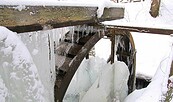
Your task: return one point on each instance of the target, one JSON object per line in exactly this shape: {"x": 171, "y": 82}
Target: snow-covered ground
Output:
{"x": 23, "y": 79}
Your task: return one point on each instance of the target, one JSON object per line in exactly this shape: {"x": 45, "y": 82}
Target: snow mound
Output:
{"x": 19, "y": 77}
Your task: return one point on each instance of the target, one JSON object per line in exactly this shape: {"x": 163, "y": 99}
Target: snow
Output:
{"x": 20, "y": 7}
{"x": 88, "y": 3}
{"x": 34, "y": 52}
{"x": 151, "y": 49}
{"x": 158, "y": 86}
{"x": 137, "y": 14}
{"x": 20, "y": 3}
{"x": 103, "y": 4}
{"x": 100, "y": 49}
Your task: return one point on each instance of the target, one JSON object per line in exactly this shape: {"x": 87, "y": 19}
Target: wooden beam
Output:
{"x": 142, "y": 29}
{"x": 112, "y": 48}
{"x": 33, "y": 18}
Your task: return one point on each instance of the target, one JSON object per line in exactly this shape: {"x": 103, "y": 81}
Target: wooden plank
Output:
{"x": 66, "y": 49}
{"x": 112, "y": 47}
{"x": 64, "y": 61}
{"x": 141, "y": 29}
{"x": 33, "y": 18}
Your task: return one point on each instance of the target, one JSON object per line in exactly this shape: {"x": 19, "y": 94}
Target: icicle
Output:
{"x": 87, "y": 30}
{"x": 78, "y": 37}
{"x": 72, "y": 33}
{"x": 83, "y": 31}
{"x": 91, "y": 29}
{"x": 100, "y": 32}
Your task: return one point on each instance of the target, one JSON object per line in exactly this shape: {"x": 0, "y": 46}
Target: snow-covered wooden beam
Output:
{"x": 163, "y": 31}
{"x": 33, "y": 18}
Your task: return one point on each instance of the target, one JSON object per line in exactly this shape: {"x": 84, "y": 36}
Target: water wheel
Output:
{"x": 72, "y": 51}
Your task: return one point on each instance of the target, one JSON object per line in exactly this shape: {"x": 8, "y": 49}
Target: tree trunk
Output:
{"x": 171, "y": 71}
{"x": 154, "y": 9}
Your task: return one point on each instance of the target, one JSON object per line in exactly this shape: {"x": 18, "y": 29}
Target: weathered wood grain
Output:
{"x": 33, "y": 18}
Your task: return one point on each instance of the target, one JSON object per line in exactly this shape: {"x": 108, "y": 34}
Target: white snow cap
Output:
{"x": 106, "y": 4}
{"x": 103, "y": 4}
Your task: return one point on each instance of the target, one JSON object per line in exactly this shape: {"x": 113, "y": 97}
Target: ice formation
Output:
{"x": 42, "y": 46}
{"x": 97, "y": 81}
{"x": 19, "y": 76}
{"x": 27, "y": 65}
